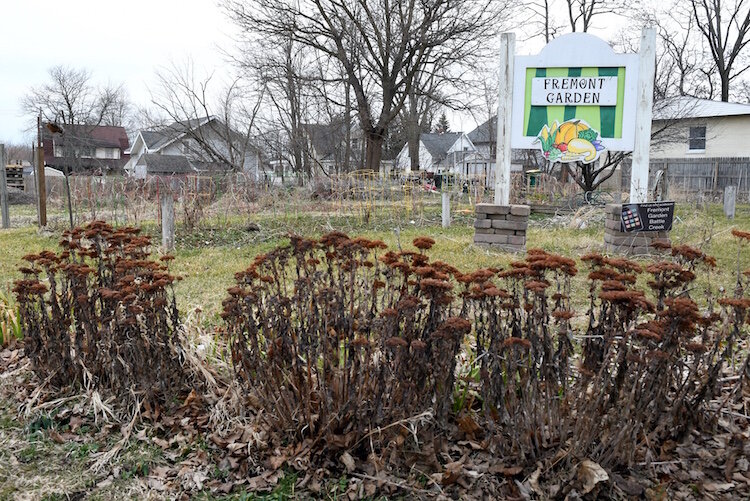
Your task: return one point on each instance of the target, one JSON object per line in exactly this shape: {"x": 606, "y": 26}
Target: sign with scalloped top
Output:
{"x": 581, "y": 89}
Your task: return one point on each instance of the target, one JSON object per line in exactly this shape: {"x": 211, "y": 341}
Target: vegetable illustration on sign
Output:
{"x": 571, "y": 141}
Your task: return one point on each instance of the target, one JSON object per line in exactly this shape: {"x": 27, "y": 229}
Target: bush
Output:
{"x": 522, "y": 336}
{"x": 102, "y": 315}
{"x": 338, "y": 338}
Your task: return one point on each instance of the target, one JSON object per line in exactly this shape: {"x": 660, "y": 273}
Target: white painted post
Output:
{"x": 4, "y": 188}
{"x": 504, "y": 109}
{"x": 730, "y": 199}
{"x": 644, "y": 107}
{"x": 167, "y": 220}
{"x": 446, "y": 209}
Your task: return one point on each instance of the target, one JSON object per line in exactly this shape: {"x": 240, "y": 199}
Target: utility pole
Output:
{"x": 41, "y": 184}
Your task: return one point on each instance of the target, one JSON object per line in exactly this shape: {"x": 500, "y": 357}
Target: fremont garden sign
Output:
{"x": 574, "y": 101}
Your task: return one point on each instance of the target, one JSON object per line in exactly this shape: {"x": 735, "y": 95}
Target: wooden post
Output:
{"x": 67, "y": 190}
{"x": 644, "y": 108}
{"x": 41, "y": 187}
{"x": 167, "y": 220}
{"x": 4, "y": 188}
{"x": 716, "y": 177}
{"x": 504, "y": 109}
{"x": 446, "y": 209}
{"x": 730, "y": 198}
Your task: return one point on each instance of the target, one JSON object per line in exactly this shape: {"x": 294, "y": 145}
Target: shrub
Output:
{"x": 101, "y": 314}
{"x": 648, "y": 368}
{"x": 522, "y": 339}
{"x": 338, "y": 338}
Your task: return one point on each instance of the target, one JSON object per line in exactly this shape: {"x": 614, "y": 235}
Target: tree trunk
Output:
{"x": 724, "y": 87}
{"x": 348, "y": 125}
{"x": 413, "y": 142}
{"x": 412, "y": 133}
{"x": 374, "y": 150}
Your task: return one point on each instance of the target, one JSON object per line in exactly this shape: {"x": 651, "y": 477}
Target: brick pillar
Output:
{"x": 636, "y": 243}
{"x": 502, "y": 226}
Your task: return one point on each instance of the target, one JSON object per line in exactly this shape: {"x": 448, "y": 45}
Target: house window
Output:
{"x": 85, "y": 152}
{"x": 697, "y": 138}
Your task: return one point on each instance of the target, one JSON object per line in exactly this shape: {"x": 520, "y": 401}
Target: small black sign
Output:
{"x": 650, "y": 216}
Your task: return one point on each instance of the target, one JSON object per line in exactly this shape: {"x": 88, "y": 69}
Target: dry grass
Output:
{"x": 208, "y": 268}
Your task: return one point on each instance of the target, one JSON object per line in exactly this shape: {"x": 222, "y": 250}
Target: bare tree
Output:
{"x": 70, "y": 98}
{"x": 18, "y": 152}
{"x": 218, "y": 124}
{"x": 419, "y": 112}
{"x": 724, "y": 25}
{"x": 550, "y": 18}
{"x": 381, "y": 45}
{"x": 581, "y": 13}
{"x": 281, "y": 70}
{"x": 116, "y": 108}
{"x": 681, "y": 58}
{"x": 542, "y": 19}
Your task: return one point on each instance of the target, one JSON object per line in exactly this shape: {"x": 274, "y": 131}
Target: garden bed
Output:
{"x": 224, "y": 434}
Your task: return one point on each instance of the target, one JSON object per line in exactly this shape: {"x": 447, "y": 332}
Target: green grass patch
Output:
{"x": 210, "y": 255}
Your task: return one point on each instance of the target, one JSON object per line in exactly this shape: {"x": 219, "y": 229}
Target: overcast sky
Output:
{"x": 121, "y": 42}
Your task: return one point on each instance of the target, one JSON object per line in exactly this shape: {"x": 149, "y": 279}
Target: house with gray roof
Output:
{"x": 700, "y": 146}
{"x": 175, "y": 165}
{"x": 701, "y": 128}
{"x": 438, "y": 152}
{"x": 324, "y": 146}
{"x": 204, "y": 146}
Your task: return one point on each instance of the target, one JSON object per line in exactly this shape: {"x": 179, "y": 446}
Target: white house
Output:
{"x": 701, "y": 146}
{"x": 445, "y": 152}
{"x": 482, "y": 165}
{"x": 700, "y": 128}
{"x": 192, "y": 146}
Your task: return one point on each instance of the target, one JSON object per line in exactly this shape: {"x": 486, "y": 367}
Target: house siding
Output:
{"x": 403, "y": 161}
{"x": 187, "y": 146}
{"x": 725, "y": 137}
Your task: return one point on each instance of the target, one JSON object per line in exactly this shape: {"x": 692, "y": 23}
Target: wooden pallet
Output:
{"x": 14, "y": 176}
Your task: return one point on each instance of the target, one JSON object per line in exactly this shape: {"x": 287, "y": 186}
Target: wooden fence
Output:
{"x": 707, "y": 177}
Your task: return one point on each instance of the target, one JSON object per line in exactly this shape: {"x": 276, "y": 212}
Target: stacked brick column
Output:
{"x": 502, "y": 226}
{"x": 638, "y": 243}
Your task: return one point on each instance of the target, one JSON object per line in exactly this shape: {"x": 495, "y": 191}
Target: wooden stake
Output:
{"x": 4, "y": 189}
{"x": 446, "y": 209}
{"x": 504, "y": 109}
{"x": 167, "y": 221}
{"x": 730, "y": 199}
{"x": 41, "y": 184}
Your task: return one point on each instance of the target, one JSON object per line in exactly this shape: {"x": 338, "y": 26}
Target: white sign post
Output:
{"x": 504, "y": 119}
{"x": 644, "y": 107}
